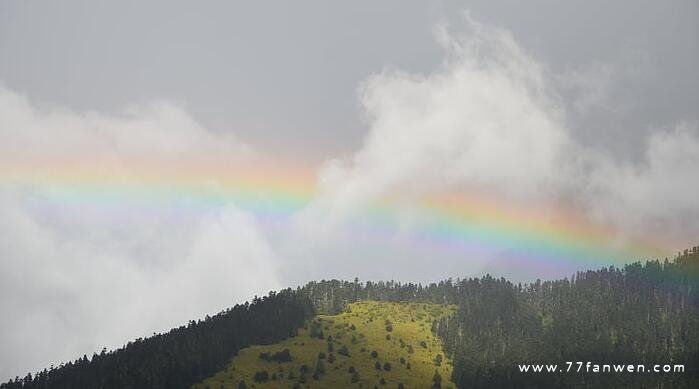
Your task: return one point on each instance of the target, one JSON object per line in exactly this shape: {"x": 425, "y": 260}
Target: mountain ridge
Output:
{"x": 639, "y": 313}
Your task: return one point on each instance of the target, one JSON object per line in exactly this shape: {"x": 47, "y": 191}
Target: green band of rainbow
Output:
{"x": 455, "y": 220}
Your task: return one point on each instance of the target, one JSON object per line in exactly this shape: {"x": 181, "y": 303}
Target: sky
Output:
{"x": 160, "y": 161}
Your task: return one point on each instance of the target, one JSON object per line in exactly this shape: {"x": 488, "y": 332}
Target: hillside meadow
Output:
{"x": 369, "y": 345}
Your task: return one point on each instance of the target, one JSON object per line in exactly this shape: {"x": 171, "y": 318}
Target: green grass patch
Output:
{"x": 371, "y": 344}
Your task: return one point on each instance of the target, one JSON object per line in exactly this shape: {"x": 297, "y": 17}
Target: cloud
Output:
{"x": 80, "y": 275}
{"x": 157, "y": 130}
{"x": 590, "y": 87}
{"x": 485, "y": 121}
{"x": 491, "y": 120}
{"x": 656, "y": 196}
{"x": 478, "y": 120}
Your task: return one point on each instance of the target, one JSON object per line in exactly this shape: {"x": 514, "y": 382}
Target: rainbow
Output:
{"x": 465, "y": 222}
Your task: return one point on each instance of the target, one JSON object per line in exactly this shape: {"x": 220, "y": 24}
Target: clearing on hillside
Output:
{"x": 370, "y": 345}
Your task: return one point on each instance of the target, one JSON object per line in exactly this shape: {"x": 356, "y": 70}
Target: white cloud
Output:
{"x": 484, "y": 119}
{"x": 81, "y": 275}
{"x": 157, "y": 130}
{"x": 490, "y": 120}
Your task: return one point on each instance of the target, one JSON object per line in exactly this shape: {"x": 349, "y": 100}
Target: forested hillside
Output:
{"x": 184, "y": 355}
{"x": 643, "y": 313}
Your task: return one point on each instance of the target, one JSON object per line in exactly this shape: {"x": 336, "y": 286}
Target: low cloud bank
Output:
{"x": 80, "y": 275}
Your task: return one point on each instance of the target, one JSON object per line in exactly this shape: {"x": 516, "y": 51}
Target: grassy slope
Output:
{"x": 362, "y": 329}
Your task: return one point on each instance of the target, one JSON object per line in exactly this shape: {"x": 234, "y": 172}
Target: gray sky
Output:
{"x": 587, "y": 104}
{"x": 283, "y": 76}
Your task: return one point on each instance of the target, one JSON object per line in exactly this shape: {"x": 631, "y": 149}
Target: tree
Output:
{"x": 261, "y": 376}
{"x": 343, "y": 350}
{"x": 436, "y": 380}
{"x": 319, "y": 370}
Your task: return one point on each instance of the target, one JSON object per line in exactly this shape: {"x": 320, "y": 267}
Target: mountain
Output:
{"x": 485, "y": 329}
